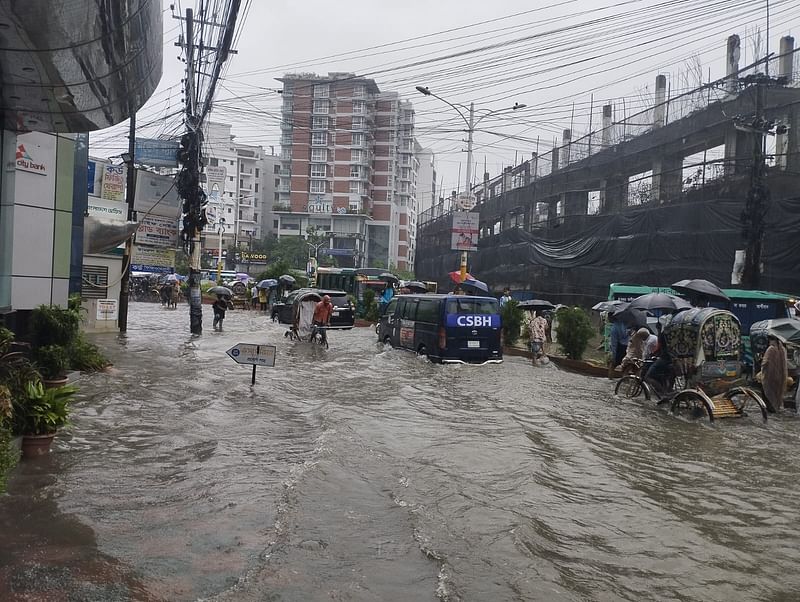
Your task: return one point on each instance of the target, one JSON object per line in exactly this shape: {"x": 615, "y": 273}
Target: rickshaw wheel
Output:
{"x": 692, "y": 405}
{"x": 631, "y": 387}
{"x": 744, "y": 397}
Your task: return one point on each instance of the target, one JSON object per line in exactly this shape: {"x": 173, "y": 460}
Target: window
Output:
{"x": 317, "y": 186}
{"x": 358, "y": 140}
{"x": 319, "y": 154}
{"x": 409, "y": 310}
{"x": 275, "y": 224}
{"x": 319, "y": 170}
{"x": 319, "y": 123}
{"x": 229, "y": 210}
{"x": 241, "y": 183}
{"x": 472, "y": 306}
{"x": 257, "y": 172}
{"x": 405, "y": 173}
{"x": 256, "y": 190}
{"x": 276, "y": 197}
{"x": 358, "y": 123}
{"x": 359, "y": 106}
{"x": 320, "y": 106}
{"x": 355, "y": 171}
{"x": 322, "y": 90}
{"x": 214, "y": 161}
{"x": 319, "y": 138}
{"x": 355, "y": 155}
{"x": 428, "y": 311}
{"x": 230, "y": 178}
{"x": 277, "y": 182}
{"x": 359, "y": 90}
{"x": 355, "y": 187}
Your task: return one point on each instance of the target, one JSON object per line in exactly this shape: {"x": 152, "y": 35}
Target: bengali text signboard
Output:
{"x": 157, "y": 231}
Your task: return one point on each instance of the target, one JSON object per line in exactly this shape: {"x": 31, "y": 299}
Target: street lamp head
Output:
{"x": 518, "y": 105}
{"x": 423, "y": 90}
{"x": 126, "y": 157}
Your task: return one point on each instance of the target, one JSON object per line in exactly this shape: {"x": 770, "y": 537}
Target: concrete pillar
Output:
{"x": 534, "y": 165}
{"x": 606, "y": 136}
{"x": 507, "y": 184}
{"x": 659, "y": 109}
{"x": 786, "y": 58}
{"x": 613, "y": 193}
{"x": 667, "y": 178}
{"x": 738, "y": 151}
{"x": 782, "y": 146}
{"x": 576, "y": 203}
{"x": 732, "y": 64}
{"x": 566, "y": 147}
{"x": 554, "y": 160}
{"x": 485, "y": 185}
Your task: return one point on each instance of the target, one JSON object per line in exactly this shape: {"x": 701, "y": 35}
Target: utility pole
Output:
{"x": 130, "y": 190}
{"x": 758, "y": 197}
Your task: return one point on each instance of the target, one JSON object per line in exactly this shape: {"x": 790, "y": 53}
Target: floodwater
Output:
{"x": 362, "y": 473}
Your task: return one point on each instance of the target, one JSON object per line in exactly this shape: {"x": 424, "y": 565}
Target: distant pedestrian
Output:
{"x": 538, "y": 337}
{"x": 505, "y": 298}
{"x": 262, "y": 299}
{"x": 774, "y": 373}
{"x": 254, "y": 297}
{"x": 220, "y": 307}
{"x": 619, "y": 340}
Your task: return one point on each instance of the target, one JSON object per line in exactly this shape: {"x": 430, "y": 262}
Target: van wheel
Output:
{"x": 387, "y": 340}
{"x": 422, "y": 350}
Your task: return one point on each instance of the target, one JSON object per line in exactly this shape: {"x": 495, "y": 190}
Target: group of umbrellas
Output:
{"x": 286, "y": 280}
{"x": 634, "y": 313}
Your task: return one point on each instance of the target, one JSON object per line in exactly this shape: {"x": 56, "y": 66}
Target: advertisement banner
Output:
{"x": 113, "y": 182}
{"x": 215, "y": 182}
{"x": 152, "y": 259}
{"x": 156, "y": 153}
{"x": 107, "y": 309}
{"x": 157, "y": 231}
{"x": 156, "y": 194}
{"x": 107, "y": 210}
{"x": 464, "y": 233}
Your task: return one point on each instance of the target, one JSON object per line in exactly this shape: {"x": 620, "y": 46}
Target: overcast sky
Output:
{"x": 559, "y": 57}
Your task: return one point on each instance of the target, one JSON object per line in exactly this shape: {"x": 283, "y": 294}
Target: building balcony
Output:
{"x": 281, "y": 208}
{"x": 284, "y": 188}
{"x": 285, "y": 172}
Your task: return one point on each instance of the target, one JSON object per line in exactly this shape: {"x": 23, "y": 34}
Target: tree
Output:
{"x": 573, "y": 331}
{"x": 511, "y": 316}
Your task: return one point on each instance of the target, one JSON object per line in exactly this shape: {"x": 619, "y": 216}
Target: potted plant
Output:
{"x": 52, "y": 361}
{"x": 40, "y": 414}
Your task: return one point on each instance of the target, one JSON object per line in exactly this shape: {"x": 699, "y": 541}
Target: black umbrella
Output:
{"x": 389, "y": 277}
{"x": 475, "y": 285}
{"x": 286, "y": 279}
{"x": 630, "y": 316}
{"x": 662, "y": 301}
{"x": 536, "y": 304}
{"x": 221, "y": 290}
{"x": 700, "y": 287}
{"x": 607, "y": 305}
{"x": 416, "y": 287}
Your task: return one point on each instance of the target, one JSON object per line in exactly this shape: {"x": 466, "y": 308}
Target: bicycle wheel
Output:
{"x": 630, "y": 387}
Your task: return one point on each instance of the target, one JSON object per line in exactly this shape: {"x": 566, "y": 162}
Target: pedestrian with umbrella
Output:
{"x": 221, "y": 305}
{"x": 700, "y": 291}
{"x": 619, "y": 338}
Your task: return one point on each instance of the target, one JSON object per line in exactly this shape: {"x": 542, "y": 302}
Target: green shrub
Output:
{"x": 371, "y": 312}
{"x": 9, "y": 456}
{"x": 54, "y": 325}
{"x": 573, "y": 331}
{"x": 42, "y": 410}
{"x": 86, "y": 356}
{"x": 52, "y": 361}
{"x": 511, "y": 317}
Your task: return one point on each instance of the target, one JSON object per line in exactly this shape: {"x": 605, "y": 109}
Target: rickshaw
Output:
{"x": 302, "y": 328}
{"x": 705, "y": 345}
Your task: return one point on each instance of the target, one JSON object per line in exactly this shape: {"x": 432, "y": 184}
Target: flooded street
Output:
{"x": 359, "y": 473}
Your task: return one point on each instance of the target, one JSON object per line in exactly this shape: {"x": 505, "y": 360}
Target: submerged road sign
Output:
{"x": 257, "y": 355}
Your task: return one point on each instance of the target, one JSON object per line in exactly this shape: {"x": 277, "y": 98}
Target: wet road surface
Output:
{"x": 363, "y": 473}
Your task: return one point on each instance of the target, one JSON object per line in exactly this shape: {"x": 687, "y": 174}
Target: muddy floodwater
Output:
{"x": 363, "y": 473}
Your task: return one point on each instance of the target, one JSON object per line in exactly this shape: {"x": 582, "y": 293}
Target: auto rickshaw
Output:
{"x": 705, "y": 345}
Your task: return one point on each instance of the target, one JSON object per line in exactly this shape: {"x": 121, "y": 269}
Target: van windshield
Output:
{"x": 467, "y": 305}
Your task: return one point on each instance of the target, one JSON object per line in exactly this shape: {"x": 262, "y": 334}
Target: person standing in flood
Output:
{"x": 774, "y": 373}
{"x": 538, "y": 338}
{"x": 619, "y": 340}
{"x": 220, "y": 307}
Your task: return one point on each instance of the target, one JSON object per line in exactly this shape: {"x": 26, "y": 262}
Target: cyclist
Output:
{"x": 322, "y": 315}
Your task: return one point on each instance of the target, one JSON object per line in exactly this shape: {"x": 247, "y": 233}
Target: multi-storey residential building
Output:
{"x": 426, "y": 178}
{"x": 240, "y": 202}
{"x": 342, "y": 150}
{"x": 270, "y": 181}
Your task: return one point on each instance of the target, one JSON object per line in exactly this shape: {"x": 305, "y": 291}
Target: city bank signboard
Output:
{"x": 464, "y": 234}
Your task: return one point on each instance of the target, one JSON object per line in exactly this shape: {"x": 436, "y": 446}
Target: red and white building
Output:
{"x": 348, "y": 169}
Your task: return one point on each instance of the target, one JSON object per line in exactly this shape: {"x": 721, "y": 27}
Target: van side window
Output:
{"x": 391, "y": 307}
{"x": 409, "y": 309}
{"x": 428, "y": 311}
{"x": 472, "y": 306}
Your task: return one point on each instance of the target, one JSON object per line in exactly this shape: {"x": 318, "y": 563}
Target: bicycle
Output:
{"x": 319, "y": 335}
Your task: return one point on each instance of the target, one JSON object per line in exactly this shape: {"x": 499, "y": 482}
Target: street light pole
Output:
{"x": 130, "y": 191}
{"x": 221, "y": 231}
{"x": 471, "y": 125}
